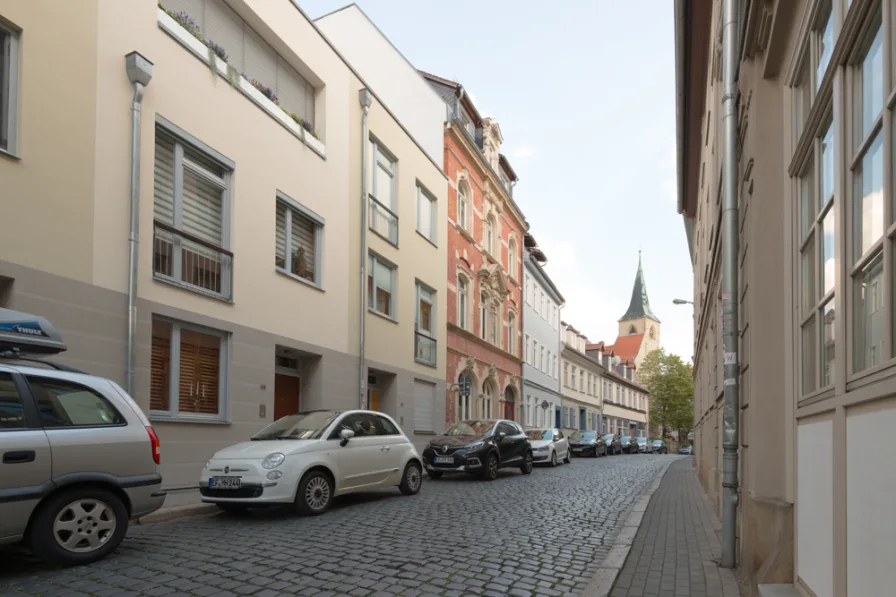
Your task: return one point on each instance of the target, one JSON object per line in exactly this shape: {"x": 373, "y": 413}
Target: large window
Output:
{"x": 9, "y": 68}
{"x": 463, "y": 298}
{"x": 380, "y": 286}
{"x": 190, "y": 216}
{"x": 298, "y": 240}
{"x": 187, "y": 371}
{"x": 511, "y": 259}
{"x": 463, "y": 204}
{"x": 383, "y": 189}
{"x": 464, "y": 411}
{"x": 425, "y": 334}
{"x": 528, "y": 350}
{"x": 491, "y": 234}
{"x": 426, "y": 214}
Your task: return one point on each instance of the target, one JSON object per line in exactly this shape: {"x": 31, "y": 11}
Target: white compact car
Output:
{"x": 308, "y": 458}
{"x": 548, "y": 445}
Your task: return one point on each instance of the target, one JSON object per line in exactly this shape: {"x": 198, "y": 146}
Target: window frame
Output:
{"x": 31, "y": 379}
{"x": 374, "y": 259}
{"x": 173, "y": 413}
{"x": 490, "y": 234}
{"x": 463, "y": 300}
{"x": 464, "y": 192}
{"x": 30, "y": 415}
{"x": 420, "y": 288}
{"x": 425, "y": 195}
{"x": 377, "y": 151}
{"x": 511, "y": 332}
{"x": 9, "y": 79}
{"x": 293, "y": 206}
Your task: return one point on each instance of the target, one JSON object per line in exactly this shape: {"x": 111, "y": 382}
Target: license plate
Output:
{"x": 224, "y": 483}
{"x": 444, "y": 459}
{"x": 577, "y": 449}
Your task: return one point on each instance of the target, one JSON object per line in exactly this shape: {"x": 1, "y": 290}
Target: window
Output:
{"x": 464, "y": 412}
{"x": 511, "y": 333}
{"x": 462, "y": 301}
{"x": 493, "y": 326}
{"x": 12, "y": 412}
{"x": 425, "y": 336}
{"x": 426, "y": 214}
{"x": 511, "y": 258}
{"x": 541, "y": 361}
{"x": 424, "y": 406}
{"x": 9, "y": 73}
{"x": 383, "y": 220}
{"x": 581, "y": 380}
{"x": 190, "y": 216}
{"x": 487, "y": 400}
{"x": 823, "y": 42}
{"x": 565, "y": 374}
{"x": 590, "y": 391}
{"x": 483, "y": 316}
{"x": 555, "y": 374}
{"x": 62, "y": 403}
{"x": 462, "y": 204}
{"x": 544, "y": 309}
{"x": 380, "y": 283}
{"x": 187, "y": 371}
{"x": 528, "y": 350}
{"x": 298, "y": 240}
{"x": 490, "y": 233}
{"x": 573, "y": 384}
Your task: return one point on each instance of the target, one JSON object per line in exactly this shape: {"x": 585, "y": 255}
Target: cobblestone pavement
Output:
{"x": 677, "y": 548}
{"x": 537, "y": 535}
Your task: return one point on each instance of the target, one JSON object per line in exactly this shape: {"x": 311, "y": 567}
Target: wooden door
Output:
{"x": 508, "y": 410}
{"x": 374, "y": 399}
{"x": 286, "y": 395}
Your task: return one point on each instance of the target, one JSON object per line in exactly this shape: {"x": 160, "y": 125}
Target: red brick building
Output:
{"x": 485, "y": 244}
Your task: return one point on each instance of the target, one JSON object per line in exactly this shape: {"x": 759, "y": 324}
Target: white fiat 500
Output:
{"x": 308, "y": 458}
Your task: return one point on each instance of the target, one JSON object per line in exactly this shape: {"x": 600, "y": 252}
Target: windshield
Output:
{"x": 583, "y": 436}
{"x": 625, "y": 439}
{"x": 608, "y": 437}
{"x": 309, "y": 425}
{"x": 657, "y": 441}
{"x": 474, "y": 428}
{"x": 537, "y": 434}
{"x": 642, "y": 440}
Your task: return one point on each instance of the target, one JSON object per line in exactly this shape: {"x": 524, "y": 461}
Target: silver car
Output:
{"x": 549, "y": 445}
{"x": 78, "y": 458}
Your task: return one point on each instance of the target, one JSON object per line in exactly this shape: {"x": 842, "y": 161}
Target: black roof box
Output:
{"x": 28, "y": 334}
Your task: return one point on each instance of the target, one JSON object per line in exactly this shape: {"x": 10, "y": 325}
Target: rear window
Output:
{"x": 63, "y": 403}
{"x": 12, "y": 413}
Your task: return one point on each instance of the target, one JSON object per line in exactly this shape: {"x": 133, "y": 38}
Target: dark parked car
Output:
{"x": 658, "y": 446}
{"x": 587, "y": 443}
{"x": 629, "y": 444}
{"x": 614, "y": 446}
{"x": 480, "y": 447}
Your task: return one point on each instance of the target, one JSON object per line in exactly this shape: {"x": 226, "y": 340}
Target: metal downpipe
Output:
{"x": 133, "y": 235}
{"x": 365, "y": 99}
{"x": 730, "y": 287}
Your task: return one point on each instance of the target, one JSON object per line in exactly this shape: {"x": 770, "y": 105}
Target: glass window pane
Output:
{"x": 827, "y": 167}
{"x": 807, "y": 276}
{"x": 827, "y": 356}
{"x": 807, "y": 203}
{"x": 12, "y": 412}
{"x": 868, "y": 199}
{"x": 825, "y": 39}
{"x": 829, "y": 260}
{"x": 64, "y": 404}
{"x": 868, "y": 333}
{"x": 383, "y": 186}
{"x": 870, "y": 94}
{"x": 802, "y": 98}
{"x": 810, "y": 367}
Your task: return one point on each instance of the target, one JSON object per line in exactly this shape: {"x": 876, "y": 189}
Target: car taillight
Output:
{"x": 156, "y": 446}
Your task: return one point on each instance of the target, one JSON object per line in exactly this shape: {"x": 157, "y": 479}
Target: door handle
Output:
{"x": 385, "y": 449}
{"x": 19, "y": 457}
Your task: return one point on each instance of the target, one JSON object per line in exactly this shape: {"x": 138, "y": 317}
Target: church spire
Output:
{"x": 639, "y": 308}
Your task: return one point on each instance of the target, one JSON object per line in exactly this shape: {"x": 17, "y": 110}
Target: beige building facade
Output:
{"x": 248, "y": 285}
{"x": 815, "y": 191}
{"x": 580, "y": 382}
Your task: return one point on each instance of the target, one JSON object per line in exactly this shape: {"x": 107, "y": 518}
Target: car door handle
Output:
{"x": 19, "y": 457}
{"x": 385, "y": 449}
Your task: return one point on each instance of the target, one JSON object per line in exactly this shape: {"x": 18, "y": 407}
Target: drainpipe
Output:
{"x": 523, "y": 404}
{"x": 366, "y": 100}
{"x": 730, "y": 245}
{"x": 139, "y": 71}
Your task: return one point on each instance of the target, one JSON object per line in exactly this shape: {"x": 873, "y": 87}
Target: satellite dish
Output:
{"x": 544, "y": 404}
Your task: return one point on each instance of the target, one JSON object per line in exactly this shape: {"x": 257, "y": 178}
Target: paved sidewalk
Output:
{"x": 677, "y": 547}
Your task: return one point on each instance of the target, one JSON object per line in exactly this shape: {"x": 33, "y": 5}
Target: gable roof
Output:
{"x": 628, "y": 347}
{"x": 639, "y": 307}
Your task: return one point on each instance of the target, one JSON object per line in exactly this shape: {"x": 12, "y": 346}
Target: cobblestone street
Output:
{"x": 538, "y": 535}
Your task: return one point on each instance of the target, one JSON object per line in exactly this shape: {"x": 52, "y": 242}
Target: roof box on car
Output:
{"x": 28, "y": 334}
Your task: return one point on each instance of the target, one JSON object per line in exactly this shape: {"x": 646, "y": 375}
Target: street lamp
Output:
{"x": 682, "y": 302}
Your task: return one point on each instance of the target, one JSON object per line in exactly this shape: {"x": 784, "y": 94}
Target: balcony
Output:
{"x": 186, "y": 260}
{"x": 383, "y": 221}
{"x": 424, "y": 349}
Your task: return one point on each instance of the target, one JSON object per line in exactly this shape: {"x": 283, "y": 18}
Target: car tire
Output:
{"x": 490, "y": 472}
{"x": 315, "y": 494}
{"x": 526, "y": 469}
{"x": 233, "y": 509}
{"x": 553, "y": 459}
{"x": 85, "y": 510}
{"x": 568, "y": 458}
{"x": 434, "y": 475}
{"x": 412, "y": 479}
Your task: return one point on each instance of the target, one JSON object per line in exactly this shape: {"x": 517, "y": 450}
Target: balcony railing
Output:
{"x": 424, "y": 349}
{"x": 383, "y": 221}
{"x": 190, "y": 261}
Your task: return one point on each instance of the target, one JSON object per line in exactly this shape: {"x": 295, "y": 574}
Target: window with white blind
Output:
{"x": 188, "y": 371}
{"x": 9, "y": 61}
{"x": 190, "y": 209}
{"x": 249, "y": 54}
{"x": 380, "y": 286}
{"x": 424, "y": 406}
{"x": 298, "y": 241}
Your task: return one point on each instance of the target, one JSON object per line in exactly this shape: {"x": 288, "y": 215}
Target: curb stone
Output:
{"x": 602, "y": 582}
{"x": 175, "y": 512}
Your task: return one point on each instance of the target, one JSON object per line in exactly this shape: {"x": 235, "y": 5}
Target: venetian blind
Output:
{"x": 280, "y": 246}
{"x": 159, "y": 373}
{"x": 163, "y": 192}
{"x": 202, "y": 209}
{"x": 200, "y": 360}
{"x": 424, "y": 406}
{"x": 303, "y": 245}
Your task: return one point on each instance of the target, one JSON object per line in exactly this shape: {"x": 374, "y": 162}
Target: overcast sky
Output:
{"x": 584, "y": 92}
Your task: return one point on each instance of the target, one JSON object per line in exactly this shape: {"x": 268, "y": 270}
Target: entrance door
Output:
{"x": 557, "y": 423}
{"x": 286, "y": 395}
{"x": 508, "y": 410}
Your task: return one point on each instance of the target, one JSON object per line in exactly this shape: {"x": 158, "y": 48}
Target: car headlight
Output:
{"x": 273, "y": 460}
{"x": 542, "y": 449}
{"x": 474, "y": 446}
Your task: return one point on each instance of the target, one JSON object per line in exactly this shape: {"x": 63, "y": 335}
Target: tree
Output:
{"x": 671, "y": 388}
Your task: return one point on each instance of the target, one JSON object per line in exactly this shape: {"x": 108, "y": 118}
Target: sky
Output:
{"x": 584, "y": 94}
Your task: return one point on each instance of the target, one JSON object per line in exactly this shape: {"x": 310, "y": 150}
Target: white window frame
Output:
{"x": 511, "y": 258}
{"x": 9, "y": 80}
{"x": 463, "y": 203}
{"x": 490, "y": 234}
{"x": 371, "y": 271}
{"x": 424, "y": 195}
{"x": 528, "y": 350}
{"x": 173, "y": 413}
{"x": 292, "y": 206}
{"x": 483, "y": 316}
{"x": 380, "y": 155}
{"x": 463, "y": 306}
{"x": 422, "y": 288}
{"x": 511, "y": 332}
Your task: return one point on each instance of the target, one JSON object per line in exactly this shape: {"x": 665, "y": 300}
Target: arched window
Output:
{"x": 463, "y": 288}
{"x": 511, "y": 258}
{"x": 463, "y": 402}
{"x": 490, "y": 226}
{"x": 488, "y": 393}
{"x": 483, "y": 315}
{"x": 463, "y": 205}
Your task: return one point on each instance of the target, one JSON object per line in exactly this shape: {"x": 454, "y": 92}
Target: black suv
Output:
{"x": 480, "y": 447}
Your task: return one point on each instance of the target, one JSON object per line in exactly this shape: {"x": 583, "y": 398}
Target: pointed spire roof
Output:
{"x": 639, "y": 308}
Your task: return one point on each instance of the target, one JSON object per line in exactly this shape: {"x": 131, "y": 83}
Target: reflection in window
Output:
{"x": 869, "y": 316}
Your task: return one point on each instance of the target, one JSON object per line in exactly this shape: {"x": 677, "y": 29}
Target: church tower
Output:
{"x": 639, "y": 328}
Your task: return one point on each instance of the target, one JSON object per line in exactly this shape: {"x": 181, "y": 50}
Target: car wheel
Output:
{"x": 412, "y": 479}
{"x": 527, "y": 464}
{"x": 315, "y": 494}
{"x": 490, "y": 473}
{"x": 79, "y": 526}
{"x": 553, "y": 459}
{"x": 568, "y": 458}
{"x": 434, "y": 475}
{"x": 234, "y": 509}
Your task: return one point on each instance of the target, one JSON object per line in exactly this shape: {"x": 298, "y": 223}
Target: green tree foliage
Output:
{"x": 671, "y": 388}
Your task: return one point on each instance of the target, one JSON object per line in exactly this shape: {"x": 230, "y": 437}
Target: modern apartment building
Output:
{"x": 543, "y": 398}
{"x": 815, "y": 191}
{"x": 248, "y": 200}
{"x": 485, "y": 272}
{"x": 581, "y": 383}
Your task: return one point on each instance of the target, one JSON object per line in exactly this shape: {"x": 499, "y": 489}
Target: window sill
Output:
{"x": 385, "y": 238}
{"x": 304, "y": 281}
{"x": 426, "y": 363}
{"x": 10, "y": 154}
{"x": 816, "y": 396}
{"x": 463, "y": 232}
{"x": 870, "y": 375}
{"x": 162, "y": 418}
{"x": 200, "y": 50}
{"x": 382, "y": 315}
{"x": 193, "y": 289}
{"x": 427, "y": 239}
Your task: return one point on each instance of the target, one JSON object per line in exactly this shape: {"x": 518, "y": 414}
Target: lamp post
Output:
{"x": 682, "y": 302}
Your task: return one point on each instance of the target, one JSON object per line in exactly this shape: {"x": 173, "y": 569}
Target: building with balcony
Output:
{"x": 485, "y": 271}
{"x": 542, "y": 395}
{"x": 580, "y": 383}
{"x": 816, "y": 124}
{"x": 249, "y": 200}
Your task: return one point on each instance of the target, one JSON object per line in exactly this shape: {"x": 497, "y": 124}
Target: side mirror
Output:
{"x": 500, "y": 436}
{"x": 346, "y": 434}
